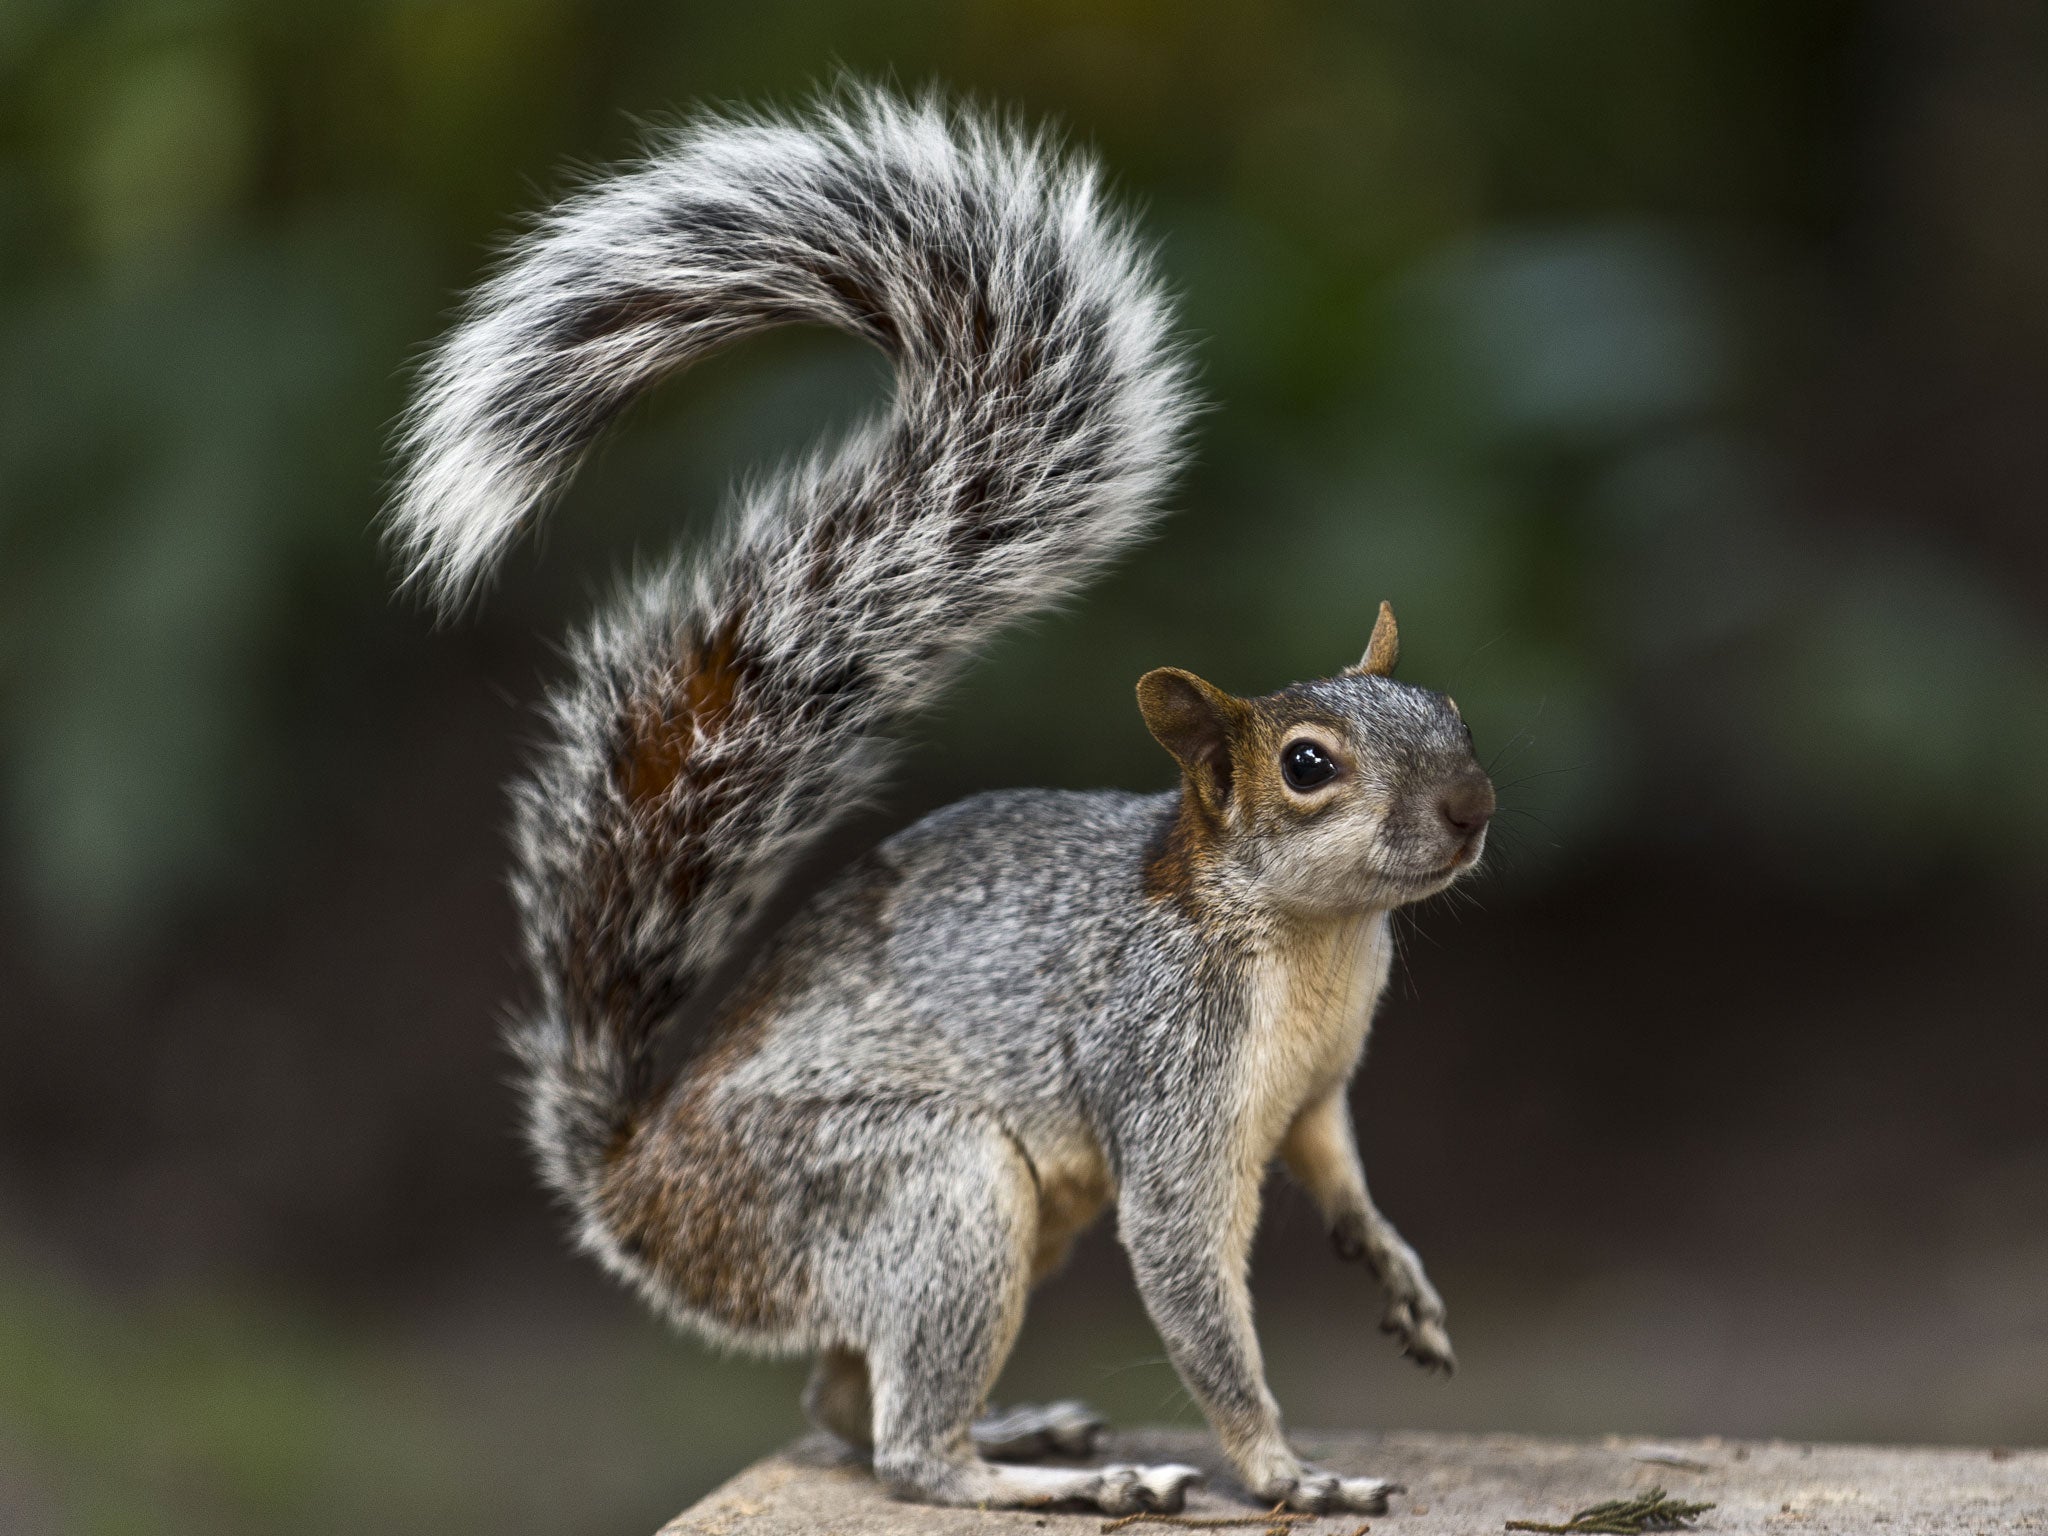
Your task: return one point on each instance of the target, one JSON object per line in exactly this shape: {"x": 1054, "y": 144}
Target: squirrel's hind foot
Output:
{"x": 1050, "y": 1429}
{"x": 1116, "y": 1490}
{"x": 1325, "y": 1493}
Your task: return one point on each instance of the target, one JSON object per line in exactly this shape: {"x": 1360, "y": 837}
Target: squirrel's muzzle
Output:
{"x": 1467, "y": 805}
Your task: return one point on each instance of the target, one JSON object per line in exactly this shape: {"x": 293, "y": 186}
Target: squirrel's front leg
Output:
{"x": 1321, "y": 1151}
{"x": 1187, "y": 1225}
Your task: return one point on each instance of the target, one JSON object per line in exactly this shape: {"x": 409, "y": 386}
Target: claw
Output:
{"x": 1418, "y": 1323}
{"x": 1430, "y": 1347}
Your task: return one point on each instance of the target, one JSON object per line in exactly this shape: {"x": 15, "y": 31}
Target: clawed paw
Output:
{"x": 1415, "y": 1313}
{"x": 1422, "y": 1336}
{"x": 1145, "y": 1490}
{"x": 1324, "y": 1493}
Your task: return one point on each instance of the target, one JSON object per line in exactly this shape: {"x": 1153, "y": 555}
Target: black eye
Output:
{"x": 1305, "y": 765}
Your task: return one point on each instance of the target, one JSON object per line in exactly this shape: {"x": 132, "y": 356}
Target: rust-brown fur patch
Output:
{"x": 665, "y": 740}
{"x": 662, "y": 732}
{"x": 700, "y": 1193}
{"x": 1178, "y": 854}
{"x": 692, "y": 1202}
{"x": 1267, "y": 725}
{"x": 689, "y": 1197}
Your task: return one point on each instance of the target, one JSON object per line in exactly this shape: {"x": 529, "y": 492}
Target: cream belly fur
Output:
{"x": 1313, "y": 992}
{"x": 1074, "y": 1187}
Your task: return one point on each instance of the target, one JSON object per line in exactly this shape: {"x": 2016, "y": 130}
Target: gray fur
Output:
{"x": 1024, "y": 1007}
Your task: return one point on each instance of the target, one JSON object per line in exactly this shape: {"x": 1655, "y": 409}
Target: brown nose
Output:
{"x": 1468, "y": 804}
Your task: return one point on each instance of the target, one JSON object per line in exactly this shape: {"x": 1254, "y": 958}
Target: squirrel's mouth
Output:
{"x": 1422, "y": 884}
{"x": 1428, "y": 882}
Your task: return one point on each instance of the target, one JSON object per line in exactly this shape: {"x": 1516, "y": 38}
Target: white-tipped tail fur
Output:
{"x": 874, "y": 215}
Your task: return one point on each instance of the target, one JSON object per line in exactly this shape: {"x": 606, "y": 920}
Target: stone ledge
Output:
{"x": 1460, "y": 1485}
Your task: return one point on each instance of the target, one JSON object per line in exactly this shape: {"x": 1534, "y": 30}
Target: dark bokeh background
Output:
{"x": 1681, "y": 372}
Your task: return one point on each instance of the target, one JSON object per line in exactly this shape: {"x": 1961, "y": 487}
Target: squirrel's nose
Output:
{"x": 1467, "y": 805}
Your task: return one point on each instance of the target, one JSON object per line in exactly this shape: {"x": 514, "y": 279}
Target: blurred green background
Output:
{"x": 1679, "y": 370}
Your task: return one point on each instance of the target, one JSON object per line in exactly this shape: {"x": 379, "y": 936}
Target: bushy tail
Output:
{"x": 718, "y": 719}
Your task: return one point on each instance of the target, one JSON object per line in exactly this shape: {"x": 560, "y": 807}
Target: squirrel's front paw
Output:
{"x": 1415, "y": 1313}
{"x": 1323, "y": 1493}
{"x": 1422, "y": 1336}
{"x": 1415, "y": 1316}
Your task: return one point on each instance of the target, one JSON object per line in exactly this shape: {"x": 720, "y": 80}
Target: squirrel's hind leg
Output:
{"x": 936, "y": 1290}
{"x": 837, "y": 1400}
{"x": 925, "y": 1451}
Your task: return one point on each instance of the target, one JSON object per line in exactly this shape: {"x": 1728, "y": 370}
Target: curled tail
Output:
{"x": 718, "y": 718}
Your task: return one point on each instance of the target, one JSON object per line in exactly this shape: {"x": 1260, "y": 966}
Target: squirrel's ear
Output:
{"x": 1192, "y": 720}
{"x": 1383, "y": 649}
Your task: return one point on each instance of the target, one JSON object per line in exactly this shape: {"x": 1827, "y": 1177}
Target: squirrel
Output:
{"x": 1027, "y": 1007}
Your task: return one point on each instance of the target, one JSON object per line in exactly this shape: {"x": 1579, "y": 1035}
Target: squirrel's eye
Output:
{"x": 1305, "y": 765}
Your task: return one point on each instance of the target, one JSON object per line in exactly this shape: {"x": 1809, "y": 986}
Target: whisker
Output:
{"x": 1543, "y": 773}
{"x": 1458, "y": 673}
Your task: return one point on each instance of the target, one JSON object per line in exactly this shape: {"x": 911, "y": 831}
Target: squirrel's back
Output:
{"x": 960, "y": 953}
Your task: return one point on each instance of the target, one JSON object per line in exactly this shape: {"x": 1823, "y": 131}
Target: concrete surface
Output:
{"x": 1462, "y": 1484}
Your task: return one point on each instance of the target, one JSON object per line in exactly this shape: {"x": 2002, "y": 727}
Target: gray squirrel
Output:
{"x": 1025, "y": 1008}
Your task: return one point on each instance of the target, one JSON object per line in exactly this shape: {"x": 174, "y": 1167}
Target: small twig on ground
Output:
{"x": 1275, "y": 1519}
{"x": 1665, "y": 1456}
{"x": 1624, "y": 1517}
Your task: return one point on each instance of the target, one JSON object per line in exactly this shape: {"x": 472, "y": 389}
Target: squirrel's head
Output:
{"x": 1330, "y": 797}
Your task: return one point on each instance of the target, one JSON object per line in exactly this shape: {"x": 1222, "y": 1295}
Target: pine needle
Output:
{"x": 1624, "y": 1517}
